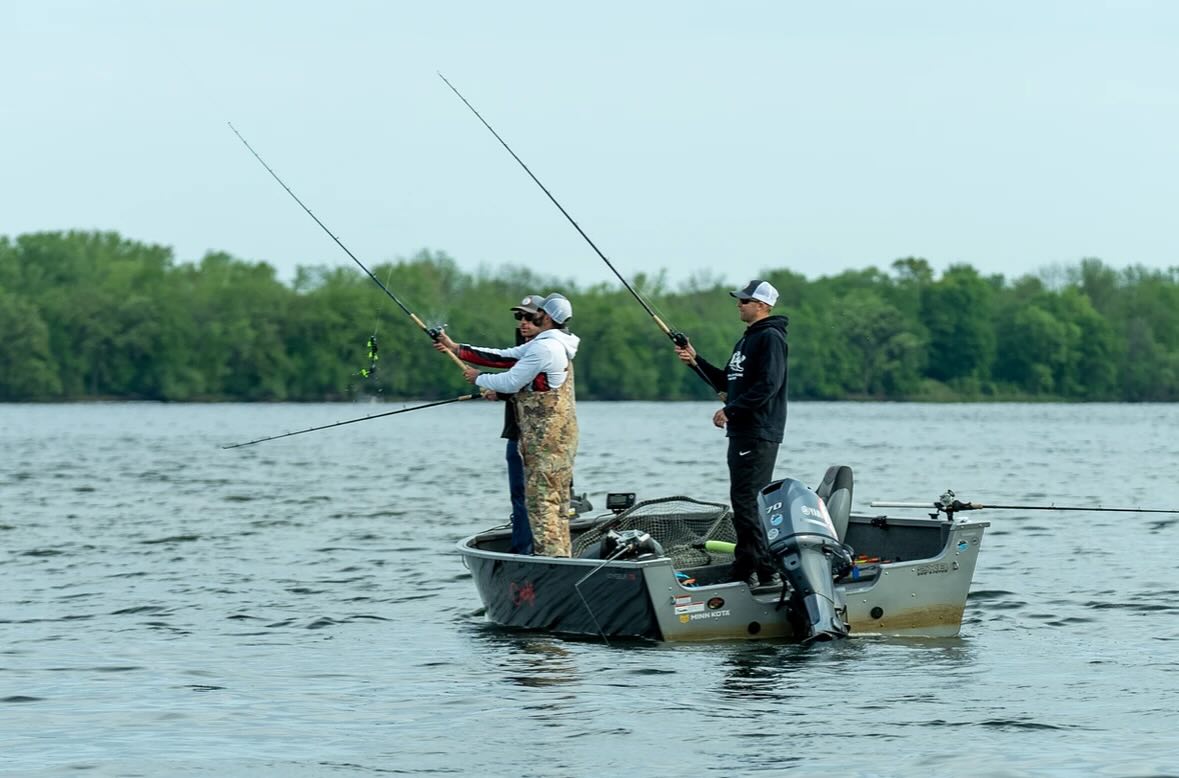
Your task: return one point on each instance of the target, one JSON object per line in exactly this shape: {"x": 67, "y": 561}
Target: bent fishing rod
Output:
{"x": 353, "y": 421}
{"x": 678, "y": 338}
{"x": 432, "y": 332}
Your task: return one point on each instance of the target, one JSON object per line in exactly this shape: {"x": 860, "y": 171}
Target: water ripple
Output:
{"x": 298, "y": 609}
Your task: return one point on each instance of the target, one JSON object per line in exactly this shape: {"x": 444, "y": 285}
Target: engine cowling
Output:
{"x": 807, "y": 551}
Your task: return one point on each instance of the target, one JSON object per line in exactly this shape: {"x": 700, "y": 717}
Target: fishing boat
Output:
{"x": 659, "y": 570}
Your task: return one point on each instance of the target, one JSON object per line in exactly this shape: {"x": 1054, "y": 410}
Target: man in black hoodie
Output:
{"x": 754, "y": 383}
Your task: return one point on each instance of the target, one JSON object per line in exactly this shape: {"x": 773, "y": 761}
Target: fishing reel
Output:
{"x": 949, "y": 504}
{"x": 630, "y": 544}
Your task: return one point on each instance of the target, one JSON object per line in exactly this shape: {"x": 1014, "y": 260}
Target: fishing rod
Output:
{"x": 957, "y": 505}
{"x": 950, "y": 505}
{"x": 353, "y": 421}
{"x": 433, "y": 332}
{"x": 628, "y": 541}
{"x": 678, "y": 338}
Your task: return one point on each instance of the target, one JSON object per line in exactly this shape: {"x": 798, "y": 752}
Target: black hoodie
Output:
{"x": 755, "y": 380}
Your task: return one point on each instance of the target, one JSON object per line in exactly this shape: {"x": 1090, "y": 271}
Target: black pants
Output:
{"x": 751, "y": 467}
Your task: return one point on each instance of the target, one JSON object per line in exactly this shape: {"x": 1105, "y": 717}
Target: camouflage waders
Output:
{"x": 548, "y": 443}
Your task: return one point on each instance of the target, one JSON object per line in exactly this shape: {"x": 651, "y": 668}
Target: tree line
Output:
{"x": 94, "y": 315}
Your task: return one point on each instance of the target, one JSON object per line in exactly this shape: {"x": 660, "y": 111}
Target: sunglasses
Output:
{"x": 528, "y": 317}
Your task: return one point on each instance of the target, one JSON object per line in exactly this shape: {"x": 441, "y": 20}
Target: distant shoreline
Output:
{"x": 402, "y": 400}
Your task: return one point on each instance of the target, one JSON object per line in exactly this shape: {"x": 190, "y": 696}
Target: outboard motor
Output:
{"x": 804, "y": 545}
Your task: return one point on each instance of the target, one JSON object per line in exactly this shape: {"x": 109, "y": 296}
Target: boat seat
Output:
{"x": 836, "y": 492}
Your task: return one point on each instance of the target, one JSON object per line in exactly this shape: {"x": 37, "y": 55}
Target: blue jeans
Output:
{"x": 521, "y": 529}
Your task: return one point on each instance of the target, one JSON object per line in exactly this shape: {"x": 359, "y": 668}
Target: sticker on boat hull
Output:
{"x": 522, "y": 594}
{"x": 934, "y": 569}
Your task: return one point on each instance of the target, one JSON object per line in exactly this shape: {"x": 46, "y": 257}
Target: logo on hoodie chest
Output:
{"x": 736, "y": 365}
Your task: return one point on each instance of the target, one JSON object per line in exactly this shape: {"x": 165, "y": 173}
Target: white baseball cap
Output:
{"x": 557, "y": 307}
{"x": 762, "y": 291}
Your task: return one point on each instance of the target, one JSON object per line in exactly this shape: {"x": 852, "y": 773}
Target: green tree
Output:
{"x": 27, "y": 368}
{"x": 1036, "y": 350}
{"x": 886, "y": 352}
{"x": 957, "y": 313}
{"x": 93, "y": 314}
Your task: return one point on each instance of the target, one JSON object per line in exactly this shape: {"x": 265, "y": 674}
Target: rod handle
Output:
{"x": 678, "y": 338}
{"x": 434, "y": 333}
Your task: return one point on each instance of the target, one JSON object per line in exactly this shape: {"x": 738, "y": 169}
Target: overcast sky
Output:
{"x": 695, "y": 137}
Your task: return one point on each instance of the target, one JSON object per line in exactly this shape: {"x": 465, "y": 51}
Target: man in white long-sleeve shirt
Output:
{"x": 542, "y": 381}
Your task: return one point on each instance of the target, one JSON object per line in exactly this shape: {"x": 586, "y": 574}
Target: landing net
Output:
{"x": 680, "y": 524}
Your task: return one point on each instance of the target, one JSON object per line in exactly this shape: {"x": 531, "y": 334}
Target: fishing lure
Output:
{"x": 373, "y": 357}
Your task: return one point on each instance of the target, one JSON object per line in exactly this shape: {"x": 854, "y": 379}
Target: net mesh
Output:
{"x": 680, "y": 524}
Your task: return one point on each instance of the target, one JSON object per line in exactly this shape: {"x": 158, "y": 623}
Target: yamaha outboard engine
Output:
{"x": 804, "y": 545}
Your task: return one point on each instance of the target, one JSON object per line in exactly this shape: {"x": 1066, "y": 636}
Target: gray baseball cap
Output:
{"x": 530, "y": 304}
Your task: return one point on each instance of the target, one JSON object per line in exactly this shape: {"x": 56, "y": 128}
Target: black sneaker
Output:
{"x": 755, "y": 581}
{"x": 775, "y": 580}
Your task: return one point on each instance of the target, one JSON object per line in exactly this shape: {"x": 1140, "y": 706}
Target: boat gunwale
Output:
{"x": 466, "y": 549}
{"x": 467, "y": 545}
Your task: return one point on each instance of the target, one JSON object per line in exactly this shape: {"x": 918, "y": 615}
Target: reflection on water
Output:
{"x": 297, "y": 607}
{"x": 532, "y": 660}
{"x": 759, "y": 671}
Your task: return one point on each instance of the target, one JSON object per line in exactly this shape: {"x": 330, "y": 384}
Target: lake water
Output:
{"x": 297, "y": 607}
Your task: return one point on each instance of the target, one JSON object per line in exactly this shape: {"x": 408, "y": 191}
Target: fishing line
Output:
{"x": 678, "y": 338}
{"x": 577, "y": 587}
{"x": 432, "y": 332}
{"x": 374, "y": 352}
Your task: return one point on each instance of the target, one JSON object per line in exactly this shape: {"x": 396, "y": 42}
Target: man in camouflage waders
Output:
{"x": 542, "y": 381}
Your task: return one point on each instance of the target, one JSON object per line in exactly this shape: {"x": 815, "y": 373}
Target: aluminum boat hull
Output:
{"x": 919, "y": 595}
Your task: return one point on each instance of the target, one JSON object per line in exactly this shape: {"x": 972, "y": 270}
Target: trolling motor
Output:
{"x": 804, "y": 545}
